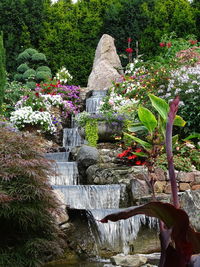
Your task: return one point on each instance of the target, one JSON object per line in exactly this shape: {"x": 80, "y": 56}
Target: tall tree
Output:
{"x": 2, "y": 71}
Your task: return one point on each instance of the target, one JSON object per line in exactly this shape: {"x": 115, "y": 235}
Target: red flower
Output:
{"x": 129, "y": 50}
{"x": 162, "y": 44}
{"x": 168, "y": 44}
{"x": 138, "y": 150}
{"x": 129, "y": 40}
{"x": 138, "y": 162}
{"x": 37, "y": 95}
{"x": 132, "y": 157}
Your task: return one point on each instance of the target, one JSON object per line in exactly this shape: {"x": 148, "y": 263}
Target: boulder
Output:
{"x": 139, "y": 188}
{"x": 129, "y": 260}
{"x": 86, "y": 156}
{"x": 190, "y": 202}
{"x": 106, "y": 67}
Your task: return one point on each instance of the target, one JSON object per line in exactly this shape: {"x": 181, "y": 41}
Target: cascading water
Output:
{"x": 93, "y": 102}
{"x": 96, "y": 200}
{"x": 92, "y": 196}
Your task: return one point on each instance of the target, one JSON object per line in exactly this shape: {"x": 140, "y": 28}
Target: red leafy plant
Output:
{"x": 131, "y": 157}
{"x": 179, "y": 241}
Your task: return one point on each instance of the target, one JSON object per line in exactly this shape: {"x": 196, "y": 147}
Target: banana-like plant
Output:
{"x": 153, "y": 129}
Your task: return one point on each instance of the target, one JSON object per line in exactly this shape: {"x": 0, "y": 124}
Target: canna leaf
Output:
{"x": 135, "y": 129}
{"x": 160, "y": 105}
{"x": 179, "y": 121}
{"x": 147, "y": 118}
{"x": 144, "y": 144}
{"x": 191, "y": 136}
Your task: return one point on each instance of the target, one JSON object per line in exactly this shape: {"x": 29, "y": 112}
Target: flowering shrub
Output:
{"x": 27, "y": 116}
{"x": 63, "y": 76}
{"x": 131, "y": 156}
{"x": 185, "y": 82}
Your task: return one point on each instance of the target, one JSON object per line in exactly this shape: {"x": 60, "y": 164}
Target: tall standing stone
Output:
{"x": 106, "y": 67}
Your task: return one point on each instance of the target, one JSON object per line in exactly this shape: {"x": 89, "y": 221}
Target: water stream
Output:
{"x": 98, "y": 200}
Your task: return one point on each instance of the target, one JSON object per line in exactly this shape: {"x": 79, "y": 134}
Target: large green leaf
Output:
{"x": 191, "y": 136}
{"x": 147, "y": 118}
{"x": 179, "y": 121}
{"x": 144, "y": 144}
{"x": 135, "y": 129}
{"x": 160, "y": 105}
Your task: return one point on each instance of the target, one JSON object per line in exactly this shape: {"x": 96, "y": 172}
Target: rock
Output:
{"x": 159, "y": 186}
{"x": 184, "y": 186}
{"x": 106, "y": 67}
{"x": 190, "y": 202}
{"x": 167, "y": 189}
{"x": 186, "y": 177}
{"x": 160, "y": 174}
{"x": 196, "y": 187}
{"x": 129, "y": 260}
{"x": 86, "y": 157}
{"x": 61, "y": 218}
{"x": 139, "y": 188}
{"x": 152, "y": 258}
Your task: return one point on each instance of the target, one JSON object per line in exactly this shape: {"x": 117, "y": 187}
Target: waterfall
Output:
{"x": 93, "y": 102}
{"x": 92, "y": 196}
{"x": 67, "y": 174}
{"x": 71, "y": 137}
{"x": 58, "y": 156}
{"x": 120, "y": 234}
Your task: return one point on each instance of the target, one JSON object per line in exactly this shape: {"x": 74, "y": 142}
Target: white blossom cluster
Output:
{"x": 184, "y": 82}
{"x": 116, "y": 101}
{"x": 63, "y": 75}
{"x": 52, "y": 100}
{"x": 26, "y": 116}
{"x": 133, "y": 68}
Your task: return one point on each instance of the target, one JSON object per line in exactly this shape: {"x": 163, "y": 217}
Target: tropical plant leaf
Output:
{"x": 187, "y": 241}
{"x": 147, "y": 118}
{"x": 144, "y": 144}
{"x": 160, "y": 105}
{"x": 140, "y": 154}
{"x": 179, "y": 121}
{"x": 135, "y": 129}
{"x": 174, "y": 139}
{"x": 191, "y": 136}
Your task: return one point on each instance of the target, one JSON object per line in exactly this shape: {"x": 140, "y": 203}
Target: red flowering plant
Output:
{"x": 149, "y": 133}
{"x": 170, "y": 45}
{"x": 179, "y": 241}
{"x": 132, "y": 156}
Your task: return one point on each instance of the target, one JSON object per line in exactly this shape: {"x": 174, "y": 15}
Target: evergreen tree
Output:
{"x": 2, "y": 71}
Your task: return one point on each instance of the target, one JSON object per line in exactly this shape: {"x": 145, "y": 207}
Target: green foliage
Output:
{"x": 13, "y": 92}
{"x": 2, "y": 71}
{"x": 29, "y": 74}
{"x": 29, "y": 235}
{"x": 43, "y": 76}
{"x": 38, "y": 57}
{"x": 29, "y": 71}
{"x": 23, "y": 57}
{"x": 43, "y": 68}
{"x": 22, "y": 68}
{"x": 91, "y": 132}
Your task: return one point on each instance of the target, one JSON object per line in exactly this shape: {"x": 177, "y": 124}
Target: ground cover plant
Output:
{"x": 28, "y": 230}
{"x": 179, "y": 241}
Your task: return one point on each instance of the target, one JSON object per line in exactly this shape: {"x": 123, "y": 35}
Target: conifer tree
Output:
{"x": 2, "y": 71}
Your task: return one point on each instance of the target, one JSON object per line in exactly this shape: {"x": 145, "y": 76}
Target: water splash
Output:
{"x": 71, "y": 137}
{"x": 119, "y": 235}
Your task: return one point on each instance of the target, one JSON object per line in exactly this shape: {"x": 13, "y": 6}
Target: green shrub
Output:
{"x": 43, "y": 68}
{"x": 18, "y": 77}
{"x": 43, "y": 76}
{"x": 23, "y": 57}
{"x": 22, "y": 68}
{"x": 38, "y": 57}
{"x": 29, "y": 234}
{"x": 31, "y": 85}
{"x": 30, "y": 73}
{"x": 31, "y": 51}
